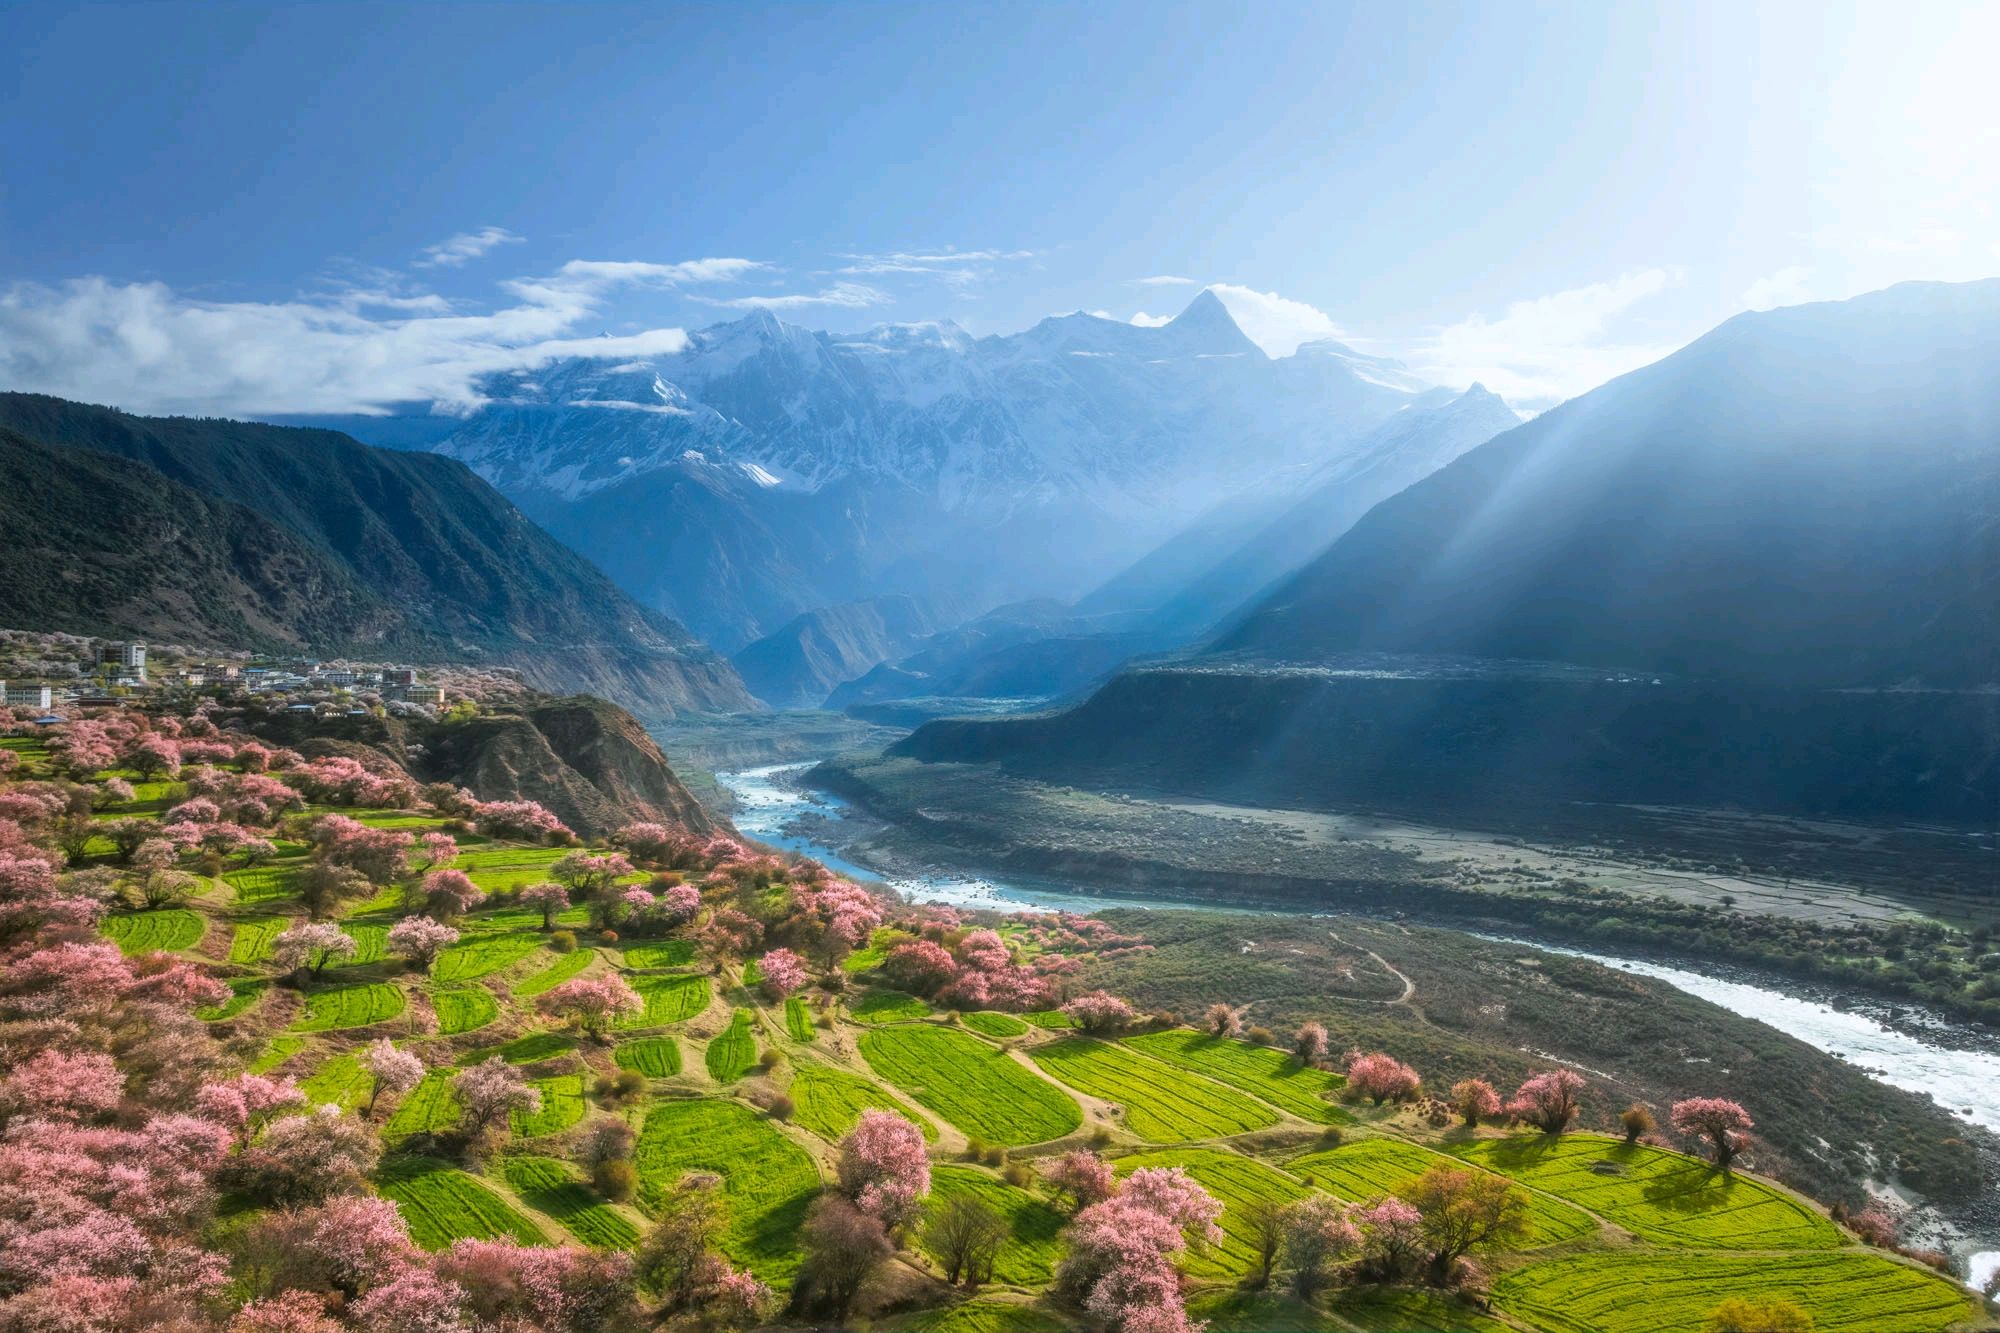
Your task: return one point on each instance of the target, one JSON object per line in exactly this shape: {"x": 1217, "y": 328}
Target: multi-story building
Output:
{"x": 127, "y": 658}
{"x": 21, "y": 694}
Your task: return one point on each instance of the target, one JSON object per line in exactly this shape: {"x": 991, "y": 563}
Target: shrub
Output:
{"x": 1261, "y": 1036}
{"x": 615, "y": 1179}
{"x": 782, "y": 1107}
{"x": 975, "y": 1147}
{"x": 563, "y": 941}
{"x": 1758, "y": 1315}
{"x": 1637, "y": 1122}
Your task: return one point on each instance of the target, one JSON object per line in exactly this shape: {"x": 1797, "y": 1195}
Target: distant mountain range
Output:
{"x": 1762, "y": 572}
{"x": 227, "y": 534}
{"x": 767, "y": 471}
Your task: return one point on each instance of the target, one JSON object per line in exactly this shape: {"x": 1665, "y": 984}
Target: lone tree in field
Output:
{"x": 547, "y": 898}
{"x": 884, "y": 1169}
{"x": 1474, "y": 1099}
{"x": 1099, "y": 1012}
{"x": 394, "y": 1072}
{"x": 1549, "y": 1101}
{"x": 1770, "y": 1314}
{"x": 311, "y": 946}
{"x": 1636, "y": 1121}
{"x": 421, "y": 940}
{"x": 843, "y": 1245}
{"x": 681, "y": 1260}
{"x": 1464, "y": 1209}
{"x": 490, "y": 1092}
{"x": 324, "y": 886}
{"x": 1721, "y": 1122}
{"x": 1264, "y": 1222}
{"x": 783, "y": 973}
{"x": 1082, "y": 1177}
{"x": 964, "y": 1234}
{"x": 593, "y": 1003}
{"x": 1222, "y": 1020}
{"x": 1382, "y": 1078}
{"x": 1317, "y": 1233}
{"x": 1310, "y": 1044}
{"x": 446, "y": 895}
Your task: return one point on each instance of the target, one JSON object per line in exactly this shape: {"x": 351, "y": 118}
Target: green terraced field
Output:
{"x": 168, "y": 928}
{"x": 443, "y": 1204}
{"x": 371, "y": 944}
{"x": 505, "y": 869}
{"x": 562, "y": 1106}
{"x": 1239, "y": 1182}
{"x": 887, "y": 1006}
{"x": 1050, "y": 1018}
{"x": 1162, "y": 1104}
{"x": 1393, "y": 1310}
{"x": 767, "y": 1180}
{"x": 567, "y": 966}
{"x": 276, "y": 1052}
{"x": 983, "y": 1316}
{"x": 1365, "y": 1168}
{"x": 830, "y": 1101}
{"x": 1666, "y": 1197}
{"x": 655, "y": 1057}
{"x": 261, "y": 884}
{"x": 341, "y": 1080}
{"x": 552, "y": 1187}
{"x": 1669, "y": 1293}
{"x": 464, "y": 1009}
{"x": 522, "y": 1050}
{"x": 995, "y": 1024}
{"x": 971, "y": 1085}
{"x": 659, "y": 953}
{"x": 244, "y": 993}
{"x": 871, "y": 957}
{"x": 1266, "y": 1312}
{"x": 354, "y": 1006}
{"x": 733, "y": 1053}
{"x": 252, "y": 939}
{"x": 1262, "y": 1072}
{"x": 669, "y": 999}
{"x": 1028, "y": 1256}
{"x": 799, "y": 1019}
{"x": 429, "y": 1108}
{"x": 482, "y": 955}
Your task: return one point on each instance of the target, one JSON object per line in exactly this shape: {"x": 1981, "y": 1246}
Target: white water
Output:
{"x": 1966, "y": 1083}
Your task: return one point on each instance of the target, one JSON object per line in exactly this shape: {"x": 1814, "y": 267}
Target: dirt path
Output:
{"x": 1409, "y": 986}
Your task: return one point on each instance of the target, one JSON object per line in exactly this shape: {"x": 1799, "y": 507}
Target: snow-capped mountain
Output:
{"x": 802, "y": 468}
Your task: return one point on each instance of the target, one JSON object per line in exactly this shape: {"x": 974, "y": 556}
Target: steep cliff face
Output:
{"x": 587, "y": 760}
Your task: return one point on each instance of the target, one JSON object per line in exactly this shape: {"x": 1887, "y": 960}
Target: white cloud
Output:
{"x": 1542, "y": 351}
{"x": 1146, "y": 321}
{"x": 1165, "y": 280}
{"x": 844, "y": 295}
{"x": 144, "y": 347}
{"x": 1275, "y": 323}
{"x": 465, "y": 247}
{"x": 1788, "y": 286}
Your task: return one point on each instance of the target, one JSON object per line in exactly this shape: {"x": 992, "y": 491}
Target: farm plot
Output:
{"x": 341, "y": 1081}
{"x": 252, "y": 939}
{"x": 1844, "y": 1293}
{"x": 276, "y": 1052}
{"x": 243, "y": 993}
{"x": 562, "y": 1106}
{"x": 168, "y": 928}
{"x": 887, "y": 1006}
{"x": 767, "y": 1180}
{"x": 659, "y": 953}
{"x": 995, "y": 1024}
{"x": 987, "y": 1316}
{"x": 482, "y": 955}
{"x": 974, "y": 1087}
{"x": 443, "y": 1204}
{"x": 829, "y": 1102}
{"x": 551, "y": 1187}
{"x": 429, "y": 1108}
{"x": 1397, "y": 1310}
{"x": 655, "y": 1057}
{"x": 669, "y": 999}
{"x": 1028, "y": 1256}
{"x": 799, "y": 1019}
{"x": 872, "y": 956}
{"x": 1050, "y": 1018}
{"x": 464, "y": 1009}
{"x": 1267, "y": 1312}
{"x": 354, "y": 1006}
{"x": 1240, "y": 1184}
{"x": 371, "y": 944}
{"x": 1162, "y": 1104}
{"x": 734, "y": 1052}
{"x": 1262, "y": 1072}
{"x": 536, "y": 1046}
{"x": 549, "y": 978}
{"x": 261, "y": 884}
{"x": 1365, "y": 1168}
{"x": 504, "y": 869}
{"x": 1666, "y": 1197}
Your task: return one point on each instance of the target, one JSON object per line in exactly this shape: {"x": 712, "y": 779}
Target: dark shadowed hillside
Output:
{"x": 348, "y": 550}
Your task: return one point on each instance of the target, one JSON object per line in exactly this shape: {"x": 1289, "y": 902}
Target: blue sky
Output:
{"x": 325, "y": 207}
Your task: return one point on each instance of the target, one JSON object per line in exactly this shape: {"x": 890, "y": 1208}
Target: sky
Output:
{"x": 334, "y": 208}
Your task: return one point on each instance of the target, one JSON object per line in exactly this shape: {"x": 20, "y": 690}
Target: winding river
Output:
{"x": 772, "y": 808}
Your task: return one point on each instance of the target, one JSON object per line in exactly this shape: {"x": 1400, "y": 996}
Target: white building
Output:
{"x": 127, "y": 657}
{"x": 20, "y": 694}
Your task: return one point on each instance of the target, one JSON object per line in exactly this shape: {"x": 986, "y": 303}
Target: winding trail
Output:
{"x": 1409, "y": 986}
